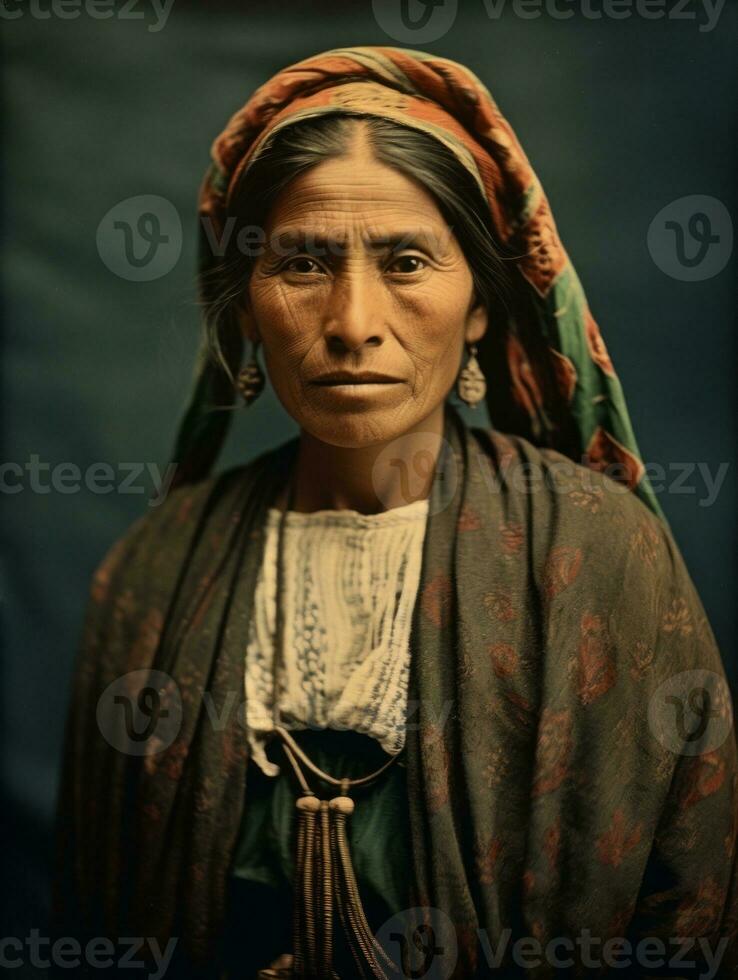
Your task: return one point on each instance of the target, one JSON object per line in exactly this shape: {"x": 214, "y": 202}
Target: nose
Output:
{"x": 354, "y": 315}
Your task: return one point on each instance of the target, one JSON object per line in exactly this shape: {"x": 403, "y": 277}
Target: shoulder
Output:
{"x": 160, "y": 540}
{"x": 561, "y": 488}
{"x": 575, "y": 514}
{"x": 174, "y": 546}
{"x": 601, "y": 555}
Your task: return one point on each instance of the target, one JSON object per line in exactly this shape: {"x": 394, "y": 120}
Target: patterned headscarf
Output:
{"x": 549, "y": 376}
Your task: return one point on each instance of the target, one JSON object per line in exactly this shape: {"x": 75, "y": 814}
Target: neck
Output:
{"x": 336, "y": 478}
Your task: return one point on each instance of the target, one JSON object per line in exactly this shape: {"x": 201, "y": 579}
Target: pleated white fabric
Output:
{"x": 350, "y": 585}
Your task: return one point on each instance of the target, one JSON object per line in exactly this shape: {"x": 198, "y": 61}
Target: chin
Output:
{"x": 357, "y": 428}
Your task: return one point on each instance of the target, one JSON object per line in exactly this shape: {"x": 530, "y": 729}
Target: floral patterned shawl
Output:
{"x": 550, "y": 787}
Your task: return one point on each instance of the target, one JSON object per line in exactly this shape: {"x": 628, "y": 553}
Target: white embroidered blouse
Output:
{"x": 350, "y": 585}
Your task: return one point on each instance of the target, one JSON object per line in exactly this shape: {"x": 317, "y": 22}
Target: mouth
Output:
{"x": 347, "y": 378}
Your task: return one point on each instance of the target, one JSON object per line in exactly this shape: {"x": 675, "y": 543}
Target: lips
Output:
{"x": 354, "y": 378}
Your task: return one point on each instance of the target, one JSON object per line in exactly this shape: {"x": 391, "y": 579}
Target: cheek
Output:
{"x": 431, "y": 316}
{"x": 438, "y": 315}
{"x": 281, "y": 318}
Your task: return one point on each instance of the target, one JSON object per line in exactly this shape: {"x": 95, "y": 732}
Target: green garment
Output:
{"x": 260, "y": 898}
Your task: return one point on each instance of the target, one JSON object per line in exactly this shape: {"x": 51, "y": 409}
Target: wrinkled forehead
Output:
{"x": 367, "y": 98}
{"x": 356, "y": 197}
{"x": 342, "y": 239}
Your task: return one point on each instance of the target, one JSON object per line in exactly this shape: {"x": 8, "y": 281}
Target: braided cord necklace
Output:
{"x": 324, "y": 872}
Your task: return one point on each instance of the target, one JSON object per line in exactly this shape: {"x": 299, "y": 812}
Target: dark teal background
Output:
{"x": 618, "y": 117}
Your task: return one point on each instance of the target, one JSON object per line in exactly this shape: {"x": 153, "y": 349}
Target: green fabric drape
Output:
{"x": 553, "y": 604}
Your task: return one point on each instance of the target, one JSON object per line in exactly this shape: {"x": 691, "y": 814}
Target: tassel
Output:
{"x": 367, "y": 952}
{"x": 304, "y": 927}
{"x": 325, "y": 881}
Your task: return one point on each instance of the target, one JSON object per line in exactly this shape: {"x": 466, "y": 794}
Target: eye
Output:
{"x": 407, "y": 264}
{"x": 302, "y": 264}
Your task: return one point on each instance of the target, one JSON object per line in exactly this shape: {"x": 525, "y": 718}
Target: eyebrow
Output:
{"x": 306, "y": 239}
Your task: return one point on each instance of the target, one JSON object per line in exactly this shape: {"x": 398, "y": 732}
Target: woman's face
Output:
{"x": 360, "y": 273}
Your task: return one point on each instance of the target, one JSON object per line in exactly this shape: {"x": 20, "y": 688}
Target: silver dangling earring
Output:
{"x": 471, "y": 384}
{"x": 250, "y": 380}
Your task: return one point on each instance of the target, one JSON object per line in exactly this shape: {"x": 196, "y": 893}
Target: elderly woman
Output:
{"x": 401, "y": 693}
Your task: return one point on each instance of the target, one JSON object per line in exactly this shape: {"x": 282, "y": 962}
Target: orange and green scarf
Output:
{"x": 550, "y": 378}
